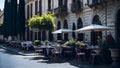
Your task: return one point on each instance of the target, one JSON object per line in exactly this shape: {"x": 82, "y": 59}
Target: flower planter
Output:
{"x": 114, "y": 55}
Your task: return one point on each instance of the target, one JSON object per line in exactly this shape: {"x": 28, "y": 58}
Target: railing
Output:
{"x": 76, "y": 6}
{"x": 27, "y": 1}
{"x": 92, "y": 3}
{"x": 61, "y": 10}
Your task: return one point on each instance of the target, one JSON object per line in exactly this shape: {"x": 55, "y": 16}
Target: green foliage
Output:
{"x": 1, "y": 28}
{"x": 71, "y": 43}
{"x": 37, "y": 42}
{"x": 44, "y": 22}
{"x": 47, "y": 21}
{"x": 35, "y": 21}
{"x": 110, "y": 43}
{"x": 60, "y": 41}
{"x": 99, "y": 40}
{"x": 1, "y": 24}
{"x": 80, "y": 44}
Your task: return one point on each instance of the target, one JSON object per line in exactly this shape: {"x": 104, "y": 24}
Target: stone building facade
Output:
{"x": 1, "y": 21}
{"x": 75, "y": 14}
{"x": 1, "y": 16}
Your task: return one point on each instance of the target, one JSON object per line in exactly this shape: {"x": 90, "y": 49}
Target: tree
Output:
{"x": 21, "y": 18}
{"x": 47, "y": 22}
{"x": 1, "y": 28}
{"x": 6, "y": 18}
{"x": 9, "y": 20}
{"x": 44, "y": 22}
{"x": 34, "y": 22}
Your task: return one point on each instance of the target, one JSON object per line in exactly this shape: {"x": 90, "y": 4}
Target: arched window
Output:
{"x": 43, "y": 35}
{"x": 95, "y": 35}
{"x": 80, "y": 36}
{"x": 39, "y": 35}
{"x": 50, "y": 36}
{"x": 73, "y": 33}
{"x": 59, "y": 36}
{"x": 65, "y": 26}
{"x": 117, "y": 27}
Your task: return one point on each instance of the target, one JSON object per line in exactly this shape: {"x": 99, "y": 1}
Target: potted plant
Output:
{"x": 37, "y": 42}
{"x": 70, "y": 43}
{"x": 34, "y": 22}
{"x": 81, "y": 44}
{"x": 113, "y": 46}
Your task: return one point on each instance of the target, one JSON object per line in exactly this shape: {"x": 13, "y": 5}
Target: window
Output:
{"x": 49, "y": 4}
{"x": 27, "y": 11}
{"x": 90, "y": 2}
{"x": 40, "y": 7}
{"x": 36, "y": 7}
{"x": 31, "y": 9}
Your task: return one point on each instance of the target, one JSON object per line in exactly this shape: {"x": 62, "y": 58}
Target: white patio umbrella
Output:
{"x": 62, "y": 31}
{"x": 93, "y": 28}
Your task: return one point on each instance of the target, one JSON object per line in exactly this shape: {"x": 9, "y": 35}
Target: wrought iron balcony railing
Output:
{"x": 92, "y": 3}
{"x": 61, "y": 10}
{"x": 77, "y": 6}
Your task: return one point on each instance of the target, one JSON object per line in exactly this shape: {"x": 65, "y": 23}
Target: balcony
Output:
{"x": 27, "y": 1}
{"x": 61, "y": 11}
{"x": 76, "y": 7}
{"x": 95, "y": 3}
{"x": 49, "y": 10}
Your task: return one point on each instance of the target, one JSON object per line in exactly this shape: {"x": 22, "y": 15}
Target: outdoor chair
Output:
{"x": 56, "y": 52}
{"x": 68, "y": 52}
{"x": 79, "y": 53}
{"x": 95, "y": 56}
{"x": 18, "y": 45}
{"x": 23, "y": 46}
{"x": 38, "y": 50}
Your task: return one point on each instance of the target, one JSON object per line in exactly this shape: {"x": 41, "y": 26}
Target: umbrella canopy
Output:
{"x": 62, "y": 31}
{"x": 93, "y": 28}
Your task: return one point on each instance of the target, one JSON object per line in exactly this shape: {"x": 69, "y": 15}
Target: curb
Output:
{"x": 12, "y": 50}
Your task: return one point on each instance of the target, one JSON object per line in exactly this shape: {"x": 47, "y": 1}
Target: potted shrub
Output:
{"x": 81, "y": 44}
{"x": 115, "y": 51}
{"x": 34, "y": 22}
{"x": 71, "y": 43}
{"x": 113, "y": 46}
{"x": 37, "y": 42}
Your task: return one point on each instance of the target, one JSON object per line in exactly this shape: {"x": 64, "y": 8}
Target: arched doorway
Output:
{"x": 59, "y": 36}
{"x": 117, "y": 27}
{"x": 65, "y": 26}
{"x": 80, "y": 36}
{"x": 73, "y": 33}
{"x": 95, "y": 35}
{"x": 44, "y": 35}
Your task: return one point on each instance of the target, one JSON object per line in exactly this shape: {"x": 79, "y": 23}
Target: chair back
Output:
{"x": 77, "y": 50}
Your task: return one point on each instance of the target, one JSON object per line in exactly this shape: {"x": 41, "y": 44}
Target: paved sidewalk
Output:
{"x": 18, "y": 51}
{"x": 71, "y": 62}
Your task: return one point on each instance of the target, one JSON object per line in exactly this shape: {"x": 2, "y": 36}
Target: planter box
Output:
{"x": 115, "y": 54}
